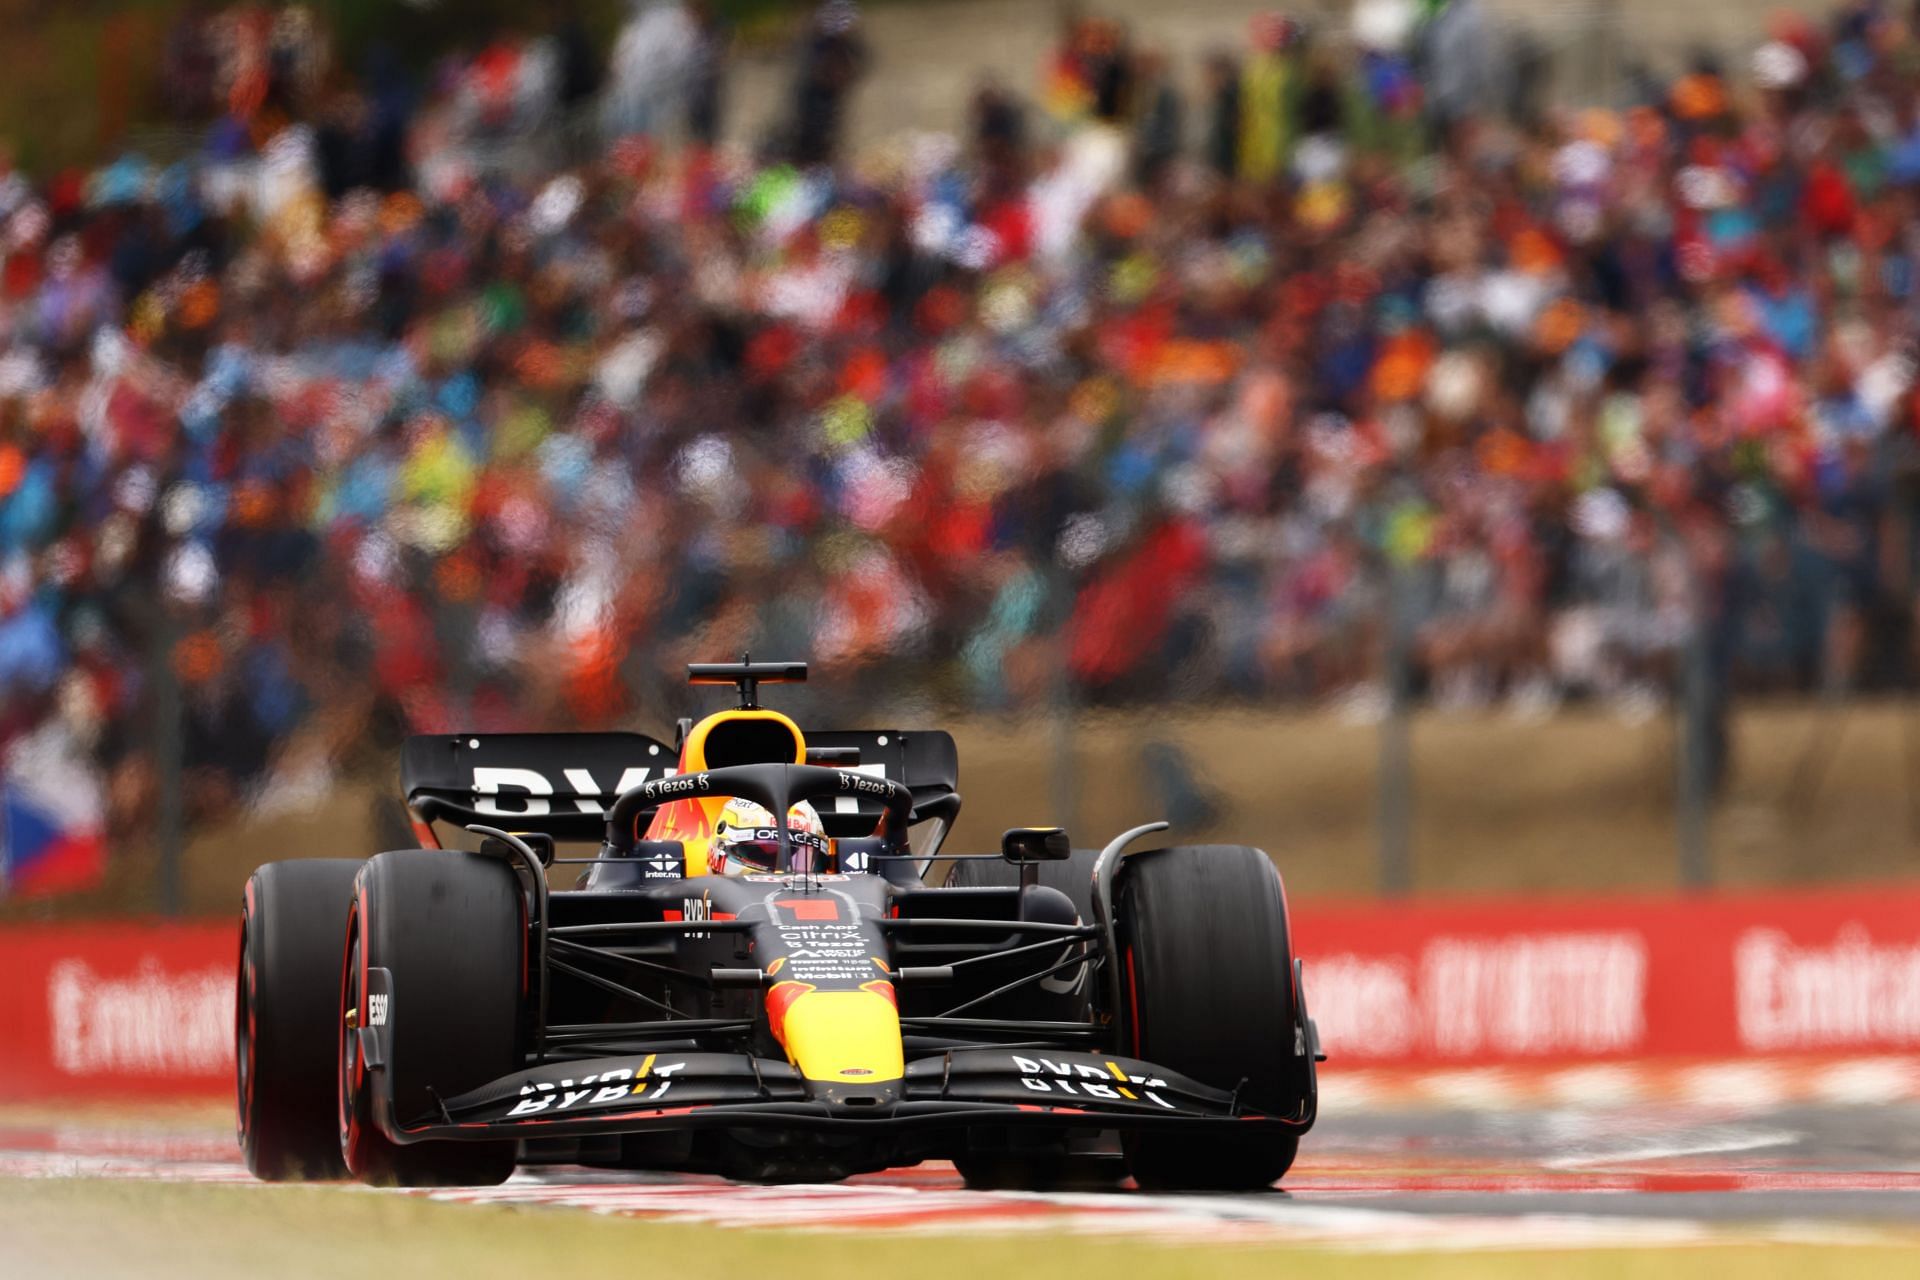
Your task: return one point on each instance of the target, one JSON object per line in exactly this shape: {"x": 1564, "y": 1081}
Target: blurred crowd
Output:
{"x": 483, "y": 398}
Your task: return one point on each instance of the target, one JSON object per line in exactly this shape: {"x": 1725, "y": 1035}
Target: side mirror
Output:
{"x": 1024, "y": 845}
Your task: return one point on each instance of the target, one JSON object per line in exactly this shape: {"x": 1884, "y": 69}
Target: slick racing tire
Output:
{"x": 450, "y": 929}
{"x": 285, "y": 1011}
{"x": 1207, "y": 963}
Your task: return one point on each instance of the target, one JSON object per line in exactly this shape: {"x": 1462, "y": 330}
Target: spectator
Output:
{"x": 1159, "y": 131}
{"x": 1458, "y": 63}
{"x": 1269, "y": 87}
{"x": 1000, "y": 140}
{"x": 655, "y": 63}
{"x": 707, "y": 89}
{"x": 1223, "y": 114}
{"x": 490, "y": 440}
{"x": 832, "y": 62}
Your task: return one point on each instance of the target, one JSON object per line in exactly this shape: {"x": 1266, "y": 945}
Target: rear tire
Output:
{"x": 1208, "y": 964}
{"x": 450, "y": 928}
{"x": 285, "y": 1014}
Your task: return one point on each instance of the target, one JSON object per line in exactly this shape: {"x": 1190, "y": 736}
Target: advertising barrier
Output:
{"x": 117, "y": 1010}
{"x": 1827, "y": 971}
{"x": 147, "y": 1010}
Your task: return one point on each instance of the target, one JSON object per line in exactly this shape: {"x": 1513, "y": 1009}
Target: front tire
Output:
{"x": 1207, "y": 961}
{"x": 285, "y": 1012}
{"x": 450, "y": 929}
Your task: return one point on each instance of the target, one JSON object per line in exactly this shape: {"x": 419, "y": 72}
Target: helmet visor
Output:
{"x": 758, "y": 848}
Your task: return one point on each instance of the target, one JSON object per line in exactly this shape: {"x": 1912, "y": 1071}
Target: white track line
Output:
{"x": 1606, "y": 1085}
{"x": 1711, "y": 1142}
{"x": 1869, "y": 1081}
{"x": 944, "y": 1210}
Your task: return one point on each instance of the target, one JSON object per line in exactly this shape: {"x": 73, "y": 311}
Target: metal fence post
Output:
{"x": 1693, "y": 782}
{"x": 1395, "y": 800}
{"x": 1064, "y": 773}
{"x": 169, "y": 752}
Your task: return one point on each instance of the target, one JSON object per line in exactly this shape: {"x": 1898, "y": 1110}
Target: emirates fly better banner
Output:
{"x": 113, "y": 1010}
{"x": 1517, "y": 980}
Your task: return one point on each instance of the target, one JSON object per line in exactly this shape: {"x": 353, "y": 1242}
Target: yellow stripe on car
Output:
{"x": 845, "y": 1035}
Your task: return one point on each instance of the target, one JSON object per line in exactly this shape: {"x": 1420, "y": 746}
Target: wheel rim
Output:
{"x": 349, "y": 1043}
{"x": 244, "y": 1016}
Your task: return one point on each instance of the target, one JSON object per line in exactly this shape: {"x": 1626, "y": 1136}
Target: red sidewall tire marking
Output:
{"x": 352, "y": 1076}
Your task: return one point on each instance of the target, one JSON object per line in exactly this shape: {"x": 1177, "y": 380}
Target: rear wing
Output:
{"x": 562, "y": 784}
{"x": 558, "y": 784}
{"x": 925, "y": 760}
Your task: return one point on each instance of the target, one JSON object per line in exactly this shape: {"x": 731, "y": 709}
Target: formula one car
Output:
{"x": 436, "y": 1016}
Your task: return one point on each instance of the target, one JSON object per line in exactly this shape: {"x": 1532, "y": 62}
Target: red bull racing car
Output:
{"x": 752, "y": 977}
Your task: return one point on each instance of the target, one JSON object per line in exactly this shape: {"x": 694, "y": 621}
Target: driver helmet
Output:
{"x": 745, "y": 839}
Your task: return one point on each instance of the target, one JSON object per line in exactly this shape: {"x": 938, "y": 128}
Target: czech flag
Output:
{"x": 51, "y": 817}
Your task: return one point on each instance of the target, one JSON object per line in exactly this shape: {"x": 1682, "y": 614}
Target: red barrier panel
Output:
{"x": 116, "y": 1010}
{"x": 1518, "y": 979}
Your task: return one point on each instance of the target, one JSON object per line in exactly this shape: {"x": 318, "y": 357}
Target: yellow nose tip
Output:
{"x": 845, "y": 1036}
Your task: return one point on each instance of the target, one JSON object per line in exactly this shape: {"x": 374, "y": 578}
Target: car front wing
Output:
{"x": 956, "y": 1089}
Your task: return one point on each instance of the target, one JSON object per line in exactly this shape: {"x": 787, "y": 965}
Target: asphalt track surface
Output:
{"x": 1426, "y": 1177}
